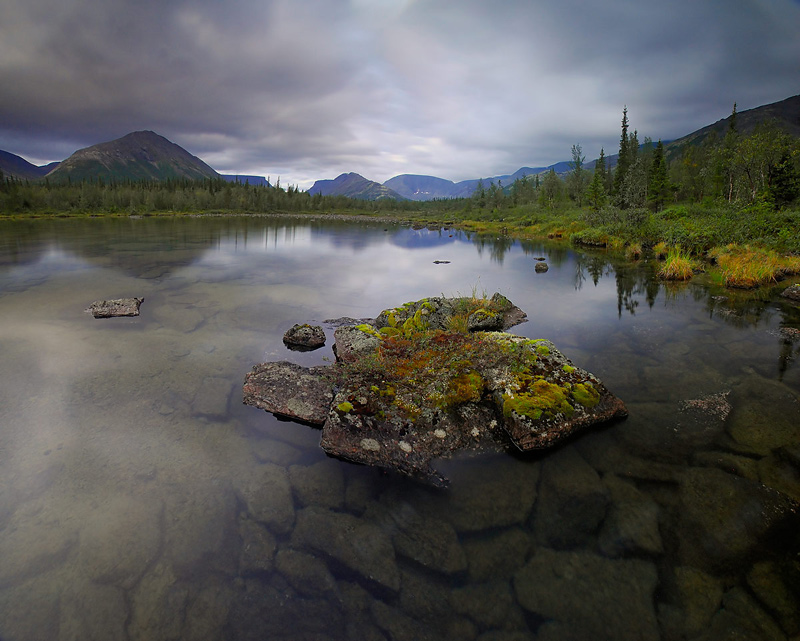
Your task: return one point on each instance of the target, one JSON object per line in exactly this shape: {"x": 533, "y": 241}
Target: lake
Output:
{"x": 141, "y": 500}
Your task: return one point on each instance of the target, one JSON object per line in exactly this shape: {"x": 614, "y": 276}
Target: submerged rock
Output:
{"x": 419, "y": 384}
{"x": 115, "y": 307}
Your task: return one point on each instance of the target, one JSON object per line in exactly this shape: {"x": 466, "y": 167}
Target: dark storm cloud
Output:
{"x": 308, "y": 89}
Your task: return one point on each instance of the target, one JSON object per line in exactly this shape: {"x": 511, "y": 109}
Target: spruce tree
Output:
{"x": 658, "y": 183}
{"x": 623, "y": 161}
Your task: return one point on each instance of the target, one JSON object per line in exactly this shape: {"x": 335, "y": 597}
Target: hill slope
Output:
{"x": 785, "y": 113}
{"x": 353, "y": 185}
{"x": 142, "y": 155}
{"x": 18, "y": 167}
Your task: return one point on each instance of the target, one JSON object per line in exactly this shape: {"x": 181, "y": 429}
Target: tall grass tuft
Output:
{"x": 747, "y": 267}
{"x": 661, "y": 250}
{"x": 633, "y": 251}
{"x": 679, "y": 265}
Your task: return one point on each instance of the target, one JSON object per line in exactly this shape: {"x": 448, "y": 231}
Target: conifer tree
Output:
{"x": 658, "y": 183}
{"x": 623, "y": 161}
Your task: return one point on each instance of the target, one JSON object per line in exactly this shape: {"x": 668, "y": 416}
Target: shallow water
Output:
{"x": 139, "y": 499}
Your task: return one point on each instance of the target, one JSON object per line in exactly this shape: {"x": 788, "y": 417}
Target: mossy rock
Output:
{"x": 408, "y": 390}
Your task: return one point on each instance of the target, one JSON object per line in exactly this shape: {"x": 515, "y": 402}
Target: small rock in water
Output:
{"x": 304, "y": 337}
{"x": 441, "y": 262}
{"x": 115, "y": 307}
{"x": 792, "y": 293}
{"x": 541, "y": 268}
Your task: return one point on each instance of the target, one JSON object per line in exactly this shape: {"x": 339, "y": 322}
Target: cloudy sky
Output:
{"x": 308, "y": 89}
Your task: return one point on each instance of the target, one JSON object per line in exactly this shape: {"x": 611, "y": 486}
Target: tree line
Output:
{"x": 735, "y": 169}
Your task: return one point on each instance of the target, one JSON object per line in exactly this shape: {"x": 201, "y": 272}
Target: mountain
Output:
{"x": 18, "y": 167}
{"x": 250, "y": 180}
{"x": 354, "y": 186}
{"x": 142, "y": 155}
{"x": 416, "y": 187}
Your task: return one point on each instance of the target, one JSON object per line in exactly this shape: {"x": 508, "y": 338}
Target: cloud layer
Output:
{"x": 309, "y": 89}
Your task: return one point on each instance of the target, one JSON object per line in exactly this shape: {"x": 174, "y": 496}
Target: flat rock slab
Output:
{"x": 300, "y": 393}
{"x": 116, "y": 307}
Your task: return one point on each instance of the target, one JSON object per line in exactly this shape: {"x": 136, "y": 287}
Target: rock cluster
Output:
{"x": 431, "y": 378}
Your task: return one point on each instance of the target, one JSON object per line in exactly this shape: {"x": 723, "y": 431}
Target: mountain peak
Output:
{"x": 139, "y": 155}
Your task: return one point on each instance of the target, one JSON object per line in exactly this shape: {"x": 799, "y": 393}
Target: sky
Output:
{"x": 309, "y": 89}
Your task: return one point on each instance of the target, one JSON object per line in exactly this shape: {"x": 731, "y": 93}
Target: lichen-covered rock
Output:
{"x": 304, "y": 336}
{"x": 792, "y": 293}
{"x": 355, "y": 341}
{"x": 283, "y": 388}
{"x": 540, "y": 268}
{"x": 551, "y": 398}
{"x": 116, "y": 307}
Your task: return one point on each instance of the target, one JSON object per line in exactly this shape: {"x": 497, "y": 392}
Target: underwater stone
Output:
{"x": 613, "y": 599}
{"x": 356, "y": 544}
{"x": 116, "y": 307}
{"x": 723, "y": 518}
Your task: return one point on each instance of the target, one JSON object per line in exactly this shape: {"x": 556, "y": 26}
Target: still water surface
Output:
{"x": 139, "y": 499}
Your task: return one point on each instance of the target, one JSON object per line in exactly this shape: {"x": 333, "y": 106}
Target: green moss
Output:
{"x": 568, "y": 369}
{"x": 369, "y": 329}
{"x": 485, "y": 313}
{"x": 465, "y": 388}
{"x": 537, "y": 397}
{"x": 345, "y": 407}
{"x": 585, "y": 394}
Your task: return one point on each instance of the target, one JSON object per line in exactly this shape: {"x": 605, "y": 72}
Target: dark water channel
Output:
{"x": 140, "y": 500}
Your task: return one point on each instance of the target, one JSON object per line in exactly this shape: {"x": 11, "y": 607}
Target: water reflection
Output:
{"x": 140, "y": 499}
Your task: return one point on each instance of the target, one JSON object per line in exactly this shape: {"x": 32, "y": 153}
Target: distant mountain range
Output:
{"x": 354, "y": 186}
{"x": 145, "y": 155}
